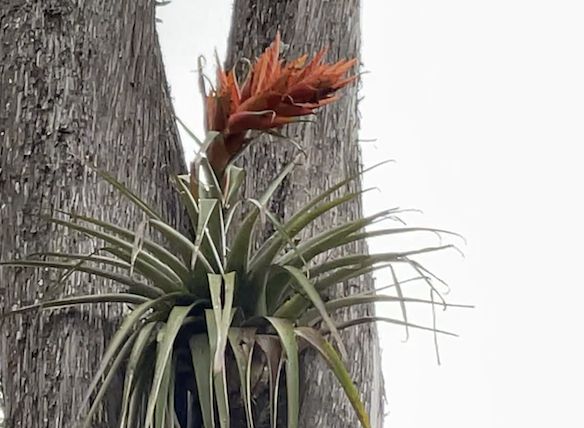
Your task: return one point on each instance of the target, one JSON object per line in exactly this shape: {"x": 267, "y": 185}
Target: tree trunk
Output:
{"x": 333, "y": 153}
{"x": 80, "y": 82}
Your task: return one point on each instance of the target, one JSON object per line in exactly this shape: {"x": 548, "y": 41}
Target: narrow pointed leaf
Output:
{"x": 122, "y": 334}
{"x": 140, "y": 390}
{"x": 122, "y": 245}
{"x": 145, "y": 289}
{"x": 219, "y": 379}
{"x": 188, "y": 201}
{"x": 370, "y": 259}
{"x": 272, "y": 349}
{"x": 201, "y": 357}
{"x": 242, "y": 342}
{"x": 402, "y": 302}
{"x": 338, "y": 368}
{"x": 128, "y": 194}
{"x": 312, "y": 316}
{"x": 166, "y": 343}
{"x": 111, "y": 373}
{"x": 183, "y": 245}
{"x": 161, "y": 409}
{"x": 241, "y": 247}
{"x": 165, "y": 280}
{"x": 308, "y": 287}
{"x": 156, "y": 249}
{"x": 68, "y": 301}
{"x": 138, "y": 244}
{"x": 273, "y": 245}
{"x": 370, "y": 319}
{"x": 188, "y": 131}
{"x": 235, "y": 177}
{"x": 334, "y": 238}
{"x": 285, "y": 330}
{"x": 144, "y": 339}
{"x": 222, "y": 312}
{"x": 206, "y": 247}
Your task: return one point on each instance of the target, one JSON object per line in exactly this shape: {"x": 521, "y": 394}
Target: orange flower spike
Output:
{"x": 273, "y": 94}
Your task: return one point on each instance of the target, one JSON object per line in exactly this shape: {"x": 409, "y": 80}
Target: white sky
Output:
{"x": 482, "y": 105}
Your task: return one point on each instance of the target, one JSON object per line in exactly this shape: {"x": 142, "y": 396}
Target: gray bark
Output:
{"x": 333, "y": 153}
{"x": 80, "y": 81}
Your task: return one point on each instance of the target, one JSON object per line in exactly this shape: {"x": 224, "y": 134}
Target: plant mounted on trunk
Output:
{"x": 202, "y": 306}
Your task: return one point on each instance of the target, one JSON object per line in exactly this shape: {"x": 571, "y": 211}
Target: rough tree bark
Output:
{"x": 80, "y": 81}
{"x": 333, "y": 153}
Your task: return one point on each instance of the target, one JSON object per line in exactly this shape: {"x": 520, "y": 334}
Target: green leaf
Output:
{"x": 329, "y": 238}
{"x": 235, "y": 178}
{"x": 272, "y": 348}
{"x": 157, "y": 250}
{"x": 312, "y": 316}
{"x": 149, "y": 271}
{"x": 171, "y": 417}
{"x": 189, "y": 202}
{"x": 142, "y": 342}
{"x": 273, "y": 245}
{"x": 209, "y": 248}
{"x": 219, "y": 379}
{"x": 139, "y": 288}
{"x": 128, "y": 193}
{"x": 161, "y": 409}
{"x": 91, "y": 258}
{"x": 138, "y": 244}
{"x": 338, "y": 368}
{"x": 307, "y": 214}
{"x": 285, "y": 330}
{"x": 120, "y": 338}
{"x": 183, "y": 245}
{"x": 371, "y": 259}
{"x": 201, "y": 357}
{"x": 308, "y": 287}
{"x": 187, "y": 130}
{"x": 402, "y": 302}
{"x": 322, "y": 196}
{"x": 68, "y": 301}
{"x": 260, "y": 277}
{"x": 243, "y": 242}
{"x": 222, "y": 312}
{"x": 116, "y": 364}
{"x": 208, "y": 183}
{"x": 144, "y": 259}
{"x": 306, "y": 251}
{"x": 166, "y": 343}
{"x": 297, "y": 303}
{"x": 370, "y": 319}
{"x": 139, "y": 392}
{"x": 242, "y": 342}
{"x": 393, "y": 231}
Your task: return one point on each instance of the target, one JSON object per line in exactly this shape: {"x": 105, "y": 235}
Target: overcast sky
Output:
{"x": 481, "y": 104}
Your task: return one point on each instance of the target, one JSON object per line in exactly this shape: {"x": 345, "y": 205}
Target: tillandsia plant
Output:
{"x": 200, "y": 306}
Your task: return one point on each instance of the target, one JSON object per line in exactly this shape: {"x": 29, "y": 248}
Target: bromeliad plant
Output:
{"x": 200, "y": 306}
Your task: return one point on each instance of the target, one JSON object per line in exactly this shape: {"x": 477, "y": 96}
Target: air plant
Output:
{"x": 198, "y": 306}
